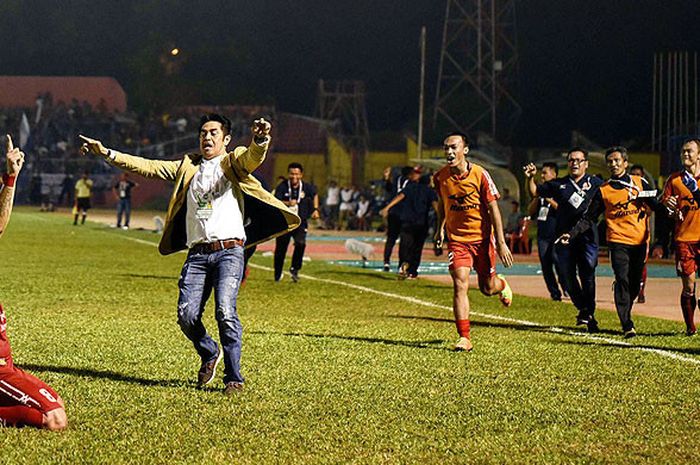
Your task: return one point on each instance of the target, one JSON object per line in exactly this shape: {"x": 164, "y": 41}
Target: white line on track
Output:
{"x": 424, "y": 303}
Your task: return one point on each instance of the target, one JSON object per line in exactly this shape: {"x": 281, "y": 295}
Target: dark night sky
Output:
{"x": 583, "y": 64}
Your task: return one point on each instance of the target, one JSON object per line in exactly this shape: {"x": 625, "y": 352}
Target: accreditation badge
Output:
{"x": 204, "y": 207}
{"x": 294, "y": 208}
{"x": 576, "y": 199}
{"x": 543, "y": 212}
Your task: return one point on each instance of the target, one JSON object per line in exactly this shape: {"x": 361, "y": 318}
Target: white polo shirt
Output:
{"x": 212, "y": 210}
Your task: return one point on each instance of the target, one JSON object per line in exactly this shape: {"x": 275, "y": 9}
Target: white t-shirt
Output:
{"x": 333, "y": 196}
{"x": 212, "y": 210}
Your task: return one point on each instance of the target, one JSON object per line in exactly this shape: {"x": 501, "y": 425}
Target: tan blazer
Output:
{"x": 264, "y": 216}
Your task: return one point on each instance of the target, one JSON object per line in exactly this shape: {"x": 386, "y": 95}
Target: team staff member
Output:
{"x": 418, "y": 199}
{"x": 216, "y": 207}
{"x": 468, "y": 212}
{"x": 393, "y": 224}
{"x": 682, "y": 196}
{"x": 302, "y": 198}
{"x": 579, "y": 258}
{"x": 24, "y": 399}
{"x": 544, "y": 209}
{"x": 83, "y": 191}
{"x": 625, "y": 200}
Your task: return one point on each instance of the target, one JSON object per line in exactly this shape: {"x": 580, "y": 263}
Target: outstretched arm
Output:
{"x": 385, "y": 211}
{"x": 15, "y": 161}
{"x": 161, "y": 169}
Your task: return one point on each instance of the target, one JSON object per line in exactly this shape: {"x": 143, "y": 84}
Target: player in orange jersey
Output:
{"x": 468, "y": 212}
{"x": 24, "y": 399}
{"x": 682, "y": 197}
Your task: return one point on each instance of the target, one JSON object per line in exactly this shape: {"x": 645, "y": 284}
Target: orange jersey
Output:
{"x": 626, "y": 217}
{"x": 687, "y": 230}
{"x": 465, "y": 200}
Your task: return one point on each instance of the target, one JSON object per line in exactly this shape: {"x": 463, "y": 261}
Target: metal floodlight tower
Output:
{"x": 478, "y": 67}
{"x": 344, "y": 103}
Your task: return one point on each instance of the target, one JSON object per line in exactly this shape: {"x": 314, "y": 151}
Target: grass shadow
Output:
{"x": 675, "y": 350}
{"x": 147, "y": 276}
{"x": 104, "y": 374}
{"x": 431, "y": 344}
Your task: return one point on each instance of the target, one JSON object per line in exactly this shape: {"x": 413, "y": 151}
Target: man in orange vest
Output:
{"x": 625, "y": 201}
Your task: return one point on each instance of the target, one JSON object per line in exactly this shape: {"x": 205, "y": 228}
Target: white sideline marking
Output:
{"x": 424, "y": 303}
{"x": 553, "y": 329}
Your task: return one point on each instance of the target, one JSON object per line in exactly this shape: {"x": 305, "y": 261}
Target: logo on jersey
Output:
{"x": 3, "y": 362}
{"x": 468, "y": 201}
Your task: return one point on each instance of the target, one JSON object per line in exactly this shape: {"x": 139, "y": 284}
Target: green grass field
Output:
{"x": 334, "y": 373}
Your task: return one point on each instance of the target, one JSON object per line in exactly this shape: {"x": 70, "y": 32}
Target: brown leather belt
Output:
{"x": 215, "y": 246}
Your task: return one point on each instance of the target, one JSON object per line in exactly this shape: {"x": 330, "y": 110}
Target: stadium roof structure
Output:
{"x": 22, "y": 91}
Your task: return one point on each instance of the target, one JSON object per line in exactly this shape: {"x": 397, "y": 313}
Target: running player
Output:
{"x": 468, "y": 212}
{"x": 682, "y": 196}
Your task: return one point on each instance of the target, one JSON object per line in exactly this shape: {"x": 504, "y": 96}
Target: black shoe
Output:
{"x": 232, "y": 388}
{"x": 556, "y": 298}
{"x": 387, "y": 267}
{"x": 593, "y": 326}
{"x": 294, "y": 274}
{"x": 582, "y": 319}
{"x": 690, "y": 332}
{"x": 641, "y": 299}
{"x": 208, "y": 370}
{"x": 629, "y": 334}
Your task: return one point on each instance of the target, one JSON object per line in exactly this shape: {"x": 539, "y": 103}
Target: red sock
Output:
{"x": 463, "y": 328}
{"x": 688, "y": 303}
{"x": 21, "y": 416}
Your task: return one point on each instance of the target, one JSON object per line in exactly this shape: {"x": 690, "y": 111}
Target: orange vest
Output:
{"x": 626, "y": 217}
{"x": 687, "y": 230}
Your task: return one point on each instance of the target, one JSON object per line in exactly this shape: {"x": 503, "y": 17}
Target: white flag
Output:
{"x": 23, "y": 131}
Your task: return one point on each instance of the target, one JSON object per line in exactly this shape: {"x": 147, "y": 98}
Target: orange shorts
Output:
{"x": 478, "y": 255}
{"x": 687, "y": 258}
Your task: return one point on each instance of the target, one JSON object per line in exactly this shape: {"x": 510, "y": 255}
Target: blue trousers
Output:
{"x": 123, "y": 207}
{"x": 577, "y": 262}
{"x": 545, "y": 249}
{"x": 221, "y": 272}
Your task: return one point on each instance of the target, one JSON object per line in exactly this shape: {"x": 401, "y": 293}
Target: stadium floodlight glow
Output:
{"x": 175, "y": 51}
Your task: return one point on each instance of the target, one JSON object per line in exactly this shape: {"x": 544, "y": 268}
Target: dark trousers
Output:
{"x": 393, "y": 229}
{"x": 545, "y": 249}
{"x": 577, "y": 262}
{"x": 627, "y": 263}
{"x": 281, "y": 245}
{"x": 411, "y": 245}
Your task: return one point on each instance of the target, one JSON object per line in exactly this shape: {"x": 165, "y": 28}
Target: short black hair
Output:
{"x": 295, "y": 164}
{"x": 616, "y": 148}
{"x": 692, "y": 139}
{"x": 464, "y": 137}
{"x": 577, "y": 149}
{"x": 553, "y": 166}
{"x": 636, "y": 167}
{"x": 225, "y": 122}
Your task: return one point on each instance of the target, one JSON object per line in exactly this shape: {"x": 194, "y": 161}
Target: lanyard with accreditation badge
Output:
{"x": 577, "y": 197}
{"x": 300, "y": 195}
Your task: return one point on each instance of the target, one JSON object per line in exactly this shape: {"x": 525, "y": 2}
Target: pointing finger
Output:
{"x": 10, "y": 146}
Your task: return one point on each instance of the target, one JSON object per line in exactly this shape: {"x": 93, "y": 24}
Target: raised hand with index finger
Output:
{"x": 92, "y": 146}
{"x": 15, "y": 158}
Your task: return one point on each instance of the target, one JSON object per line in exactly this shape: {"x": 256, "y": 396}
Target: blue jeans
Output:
{"x": 221, "y": 271}
{"x": 123, "y": 206}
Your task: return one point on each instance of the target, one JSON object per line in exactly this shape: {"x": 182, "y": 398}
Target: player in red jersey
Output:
{"x": 682, "y": 196}
{"x": 24, "y": 399}
{"x": 468, "y": 212}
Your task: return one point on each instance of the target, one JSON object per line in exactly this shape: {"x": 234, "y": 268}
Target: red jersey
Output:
{"x": 465, "y": 200}
{"x": 687, "y": 230}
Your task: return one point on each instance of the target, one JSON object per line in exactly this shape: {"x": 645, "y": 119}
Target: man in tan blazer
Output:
{"x": 216, "y": 208}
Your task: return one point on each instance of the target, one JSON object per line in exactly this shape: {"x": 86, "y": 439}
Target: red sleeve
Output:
{"x": 489, "y": 191}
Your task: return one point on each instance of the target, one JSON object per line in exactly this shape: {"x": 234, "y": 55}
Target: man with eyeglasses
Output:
{"x": 579, "y": 258}
{"x": 625, "y": 200}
